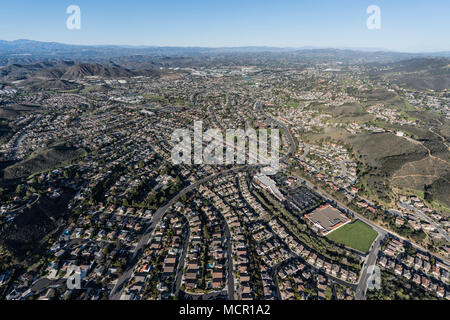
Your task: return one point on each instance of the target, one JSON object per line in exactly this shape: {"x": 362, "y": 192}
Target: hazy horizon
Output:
{"x": 137, "y": 46}
{"x": 413, "y": 26}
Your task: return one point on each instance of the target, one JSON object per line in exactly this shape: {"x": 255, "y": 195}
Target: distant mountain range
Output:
{"x": 52, "y": 65}
{"x": 25, "y": 51}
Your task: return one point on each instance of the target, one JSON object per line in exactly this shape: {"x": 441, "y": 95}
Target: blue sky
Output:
{"x": 406, "y": 25}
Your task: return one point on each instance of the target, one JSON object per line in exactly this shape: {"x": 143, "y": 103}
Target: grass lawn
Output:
{"x": 356, "y": 235}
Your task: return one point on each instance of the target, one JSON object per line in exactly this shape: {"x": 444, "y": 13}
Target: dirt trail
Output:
{"x": 444, "y": 141}
{"x": 428, "y": 150}
{"x": 419, "y": 175}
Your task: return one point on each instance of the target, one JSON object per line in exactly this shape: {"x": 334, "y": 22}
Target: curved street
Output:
{"x": 116, "y": 292}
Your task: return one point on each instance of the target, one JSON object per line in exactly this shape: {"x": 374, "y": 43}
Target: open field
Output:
{"x": 381, "y": 156}
{"x": 356, "y": 235}
{"x": 42, "y": 161}
{"x": 12, "y": 112}
{"x": 429, "y": 174}
{"x": 5, "y": 132}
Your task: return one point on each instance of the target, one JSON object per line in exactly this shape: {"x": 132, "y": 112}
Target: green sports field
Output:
{"x": 356, "y": 235}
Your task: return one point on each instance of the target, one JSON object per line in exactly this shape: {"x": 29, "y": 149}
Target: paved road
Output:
{"x": 274, "y": 271}
{"x": 371, "y": 259}
{"x": 373, "y": 253}
{"x": 434, "y": 223}
{"x": 179, "y": 275}
{"x": 45, "y": 283}
{"x": 30, "y": 202}
{"x": 382, "y": 232}
{"x": 429, "y": 220}
{"x": 19, "y": 139}
{"x": 125, "y": 277}
{"x": 305, "y": 154}
{"x": 259, "y": 105}
{"x": 230, "y": 276}
{"x": 213, "y": 115}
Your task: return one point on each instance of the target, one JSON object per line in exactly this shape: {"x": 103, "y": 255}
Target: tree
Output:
{"x": 19, "y": 188}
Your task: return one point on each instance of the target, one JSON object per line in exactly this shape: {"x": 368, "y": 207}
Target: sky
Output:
{"x": 406, "y": 25}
